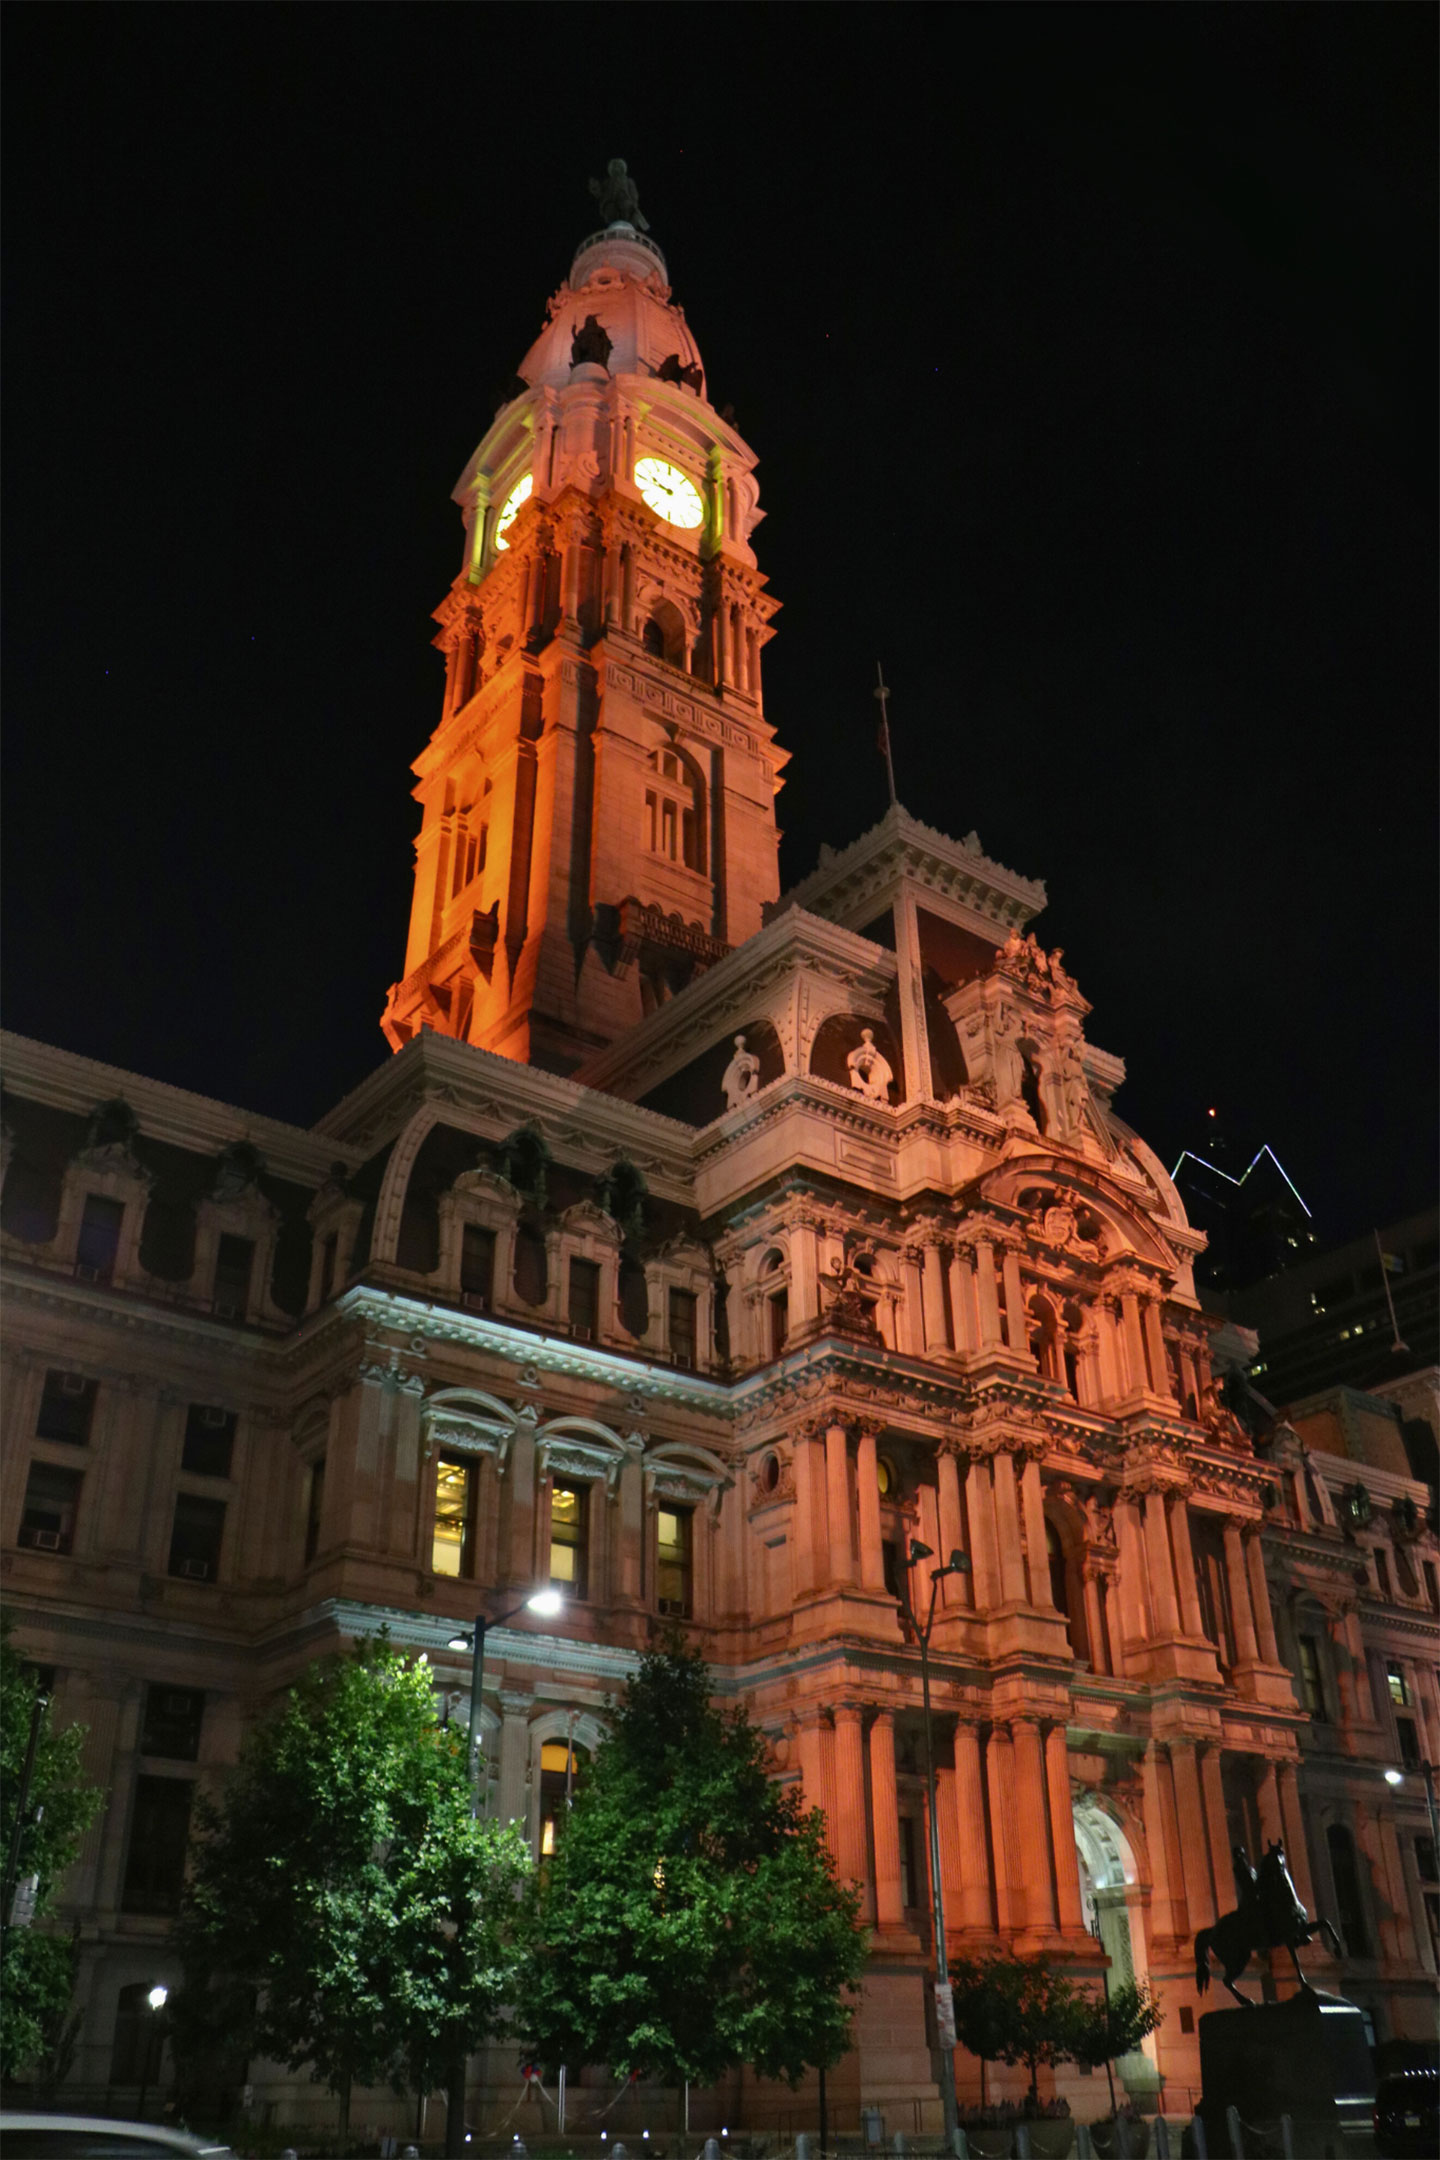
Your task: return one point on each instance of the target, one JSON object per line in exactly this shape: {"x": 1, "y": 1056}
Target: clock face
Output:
{"x": 518, "y": 494}
{"x": 669, "y": 493}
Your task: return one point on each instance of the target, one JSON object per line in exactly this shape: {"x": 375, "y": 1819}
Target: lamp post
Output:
{"x": 157, "y": 1999}
{"x": 1427, "y": 1775}
{"x": 546, "y": 1603}
{"x": 957, "y": 1564}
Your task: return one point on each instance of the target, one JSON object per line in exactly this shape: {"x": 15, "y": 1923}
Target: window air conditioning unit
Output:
{"x": 582, "y": 1334}
{"x": 195, "y": 1570}
{"x": 41, "y": 1540}
{"x": 215, "y": 1419}
{"x": 223, "y": 1309}
{"x": 85, "y": 1273}
{"x": 683, "y": 1359}
{"x": 73, "y": 1383}
{"x": 475, "y": 1300}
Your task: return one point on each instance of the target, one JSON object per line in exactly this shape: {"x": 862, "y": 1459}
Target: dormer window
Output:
{"x": 674, "y": 825}
{"x": 472, "y": 845}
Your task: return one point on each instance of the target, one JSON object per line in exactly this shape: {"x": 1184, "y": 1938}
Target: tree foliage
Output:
{"x": 1103, "y": 2027}
{"x": 36, "y": 1965}
{"x": 344, "y": 1912}
{"x": 690, "y": 1919}
{"x": 1016, "y": 2009}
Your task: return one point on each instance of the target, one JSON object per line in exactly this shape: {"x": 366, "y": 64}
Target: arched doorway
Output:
{"x": 1110, "y": 1888}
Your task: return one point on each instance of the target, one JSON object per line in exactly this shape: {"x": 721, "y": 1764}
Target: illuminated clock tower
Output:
{"x": 599, "y": 820}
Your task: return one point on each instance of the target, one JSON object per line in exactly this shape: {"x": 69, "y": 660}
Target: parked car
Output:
{"x": 1407, "y": 2115}
{"x": 95, "y": 2137}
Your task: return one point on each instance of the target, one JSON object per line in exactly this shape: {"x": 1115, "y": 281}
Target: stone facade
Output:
{"x": 704, "y": 1330}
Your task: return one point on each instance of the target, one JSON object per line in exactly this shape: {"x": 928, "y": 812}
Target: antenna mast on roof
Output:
{"x": 882, "y": 695}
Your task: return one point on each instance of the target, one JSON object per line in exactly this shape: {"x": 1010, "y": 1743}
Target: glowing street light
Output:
{"x": 157, "y": 1998}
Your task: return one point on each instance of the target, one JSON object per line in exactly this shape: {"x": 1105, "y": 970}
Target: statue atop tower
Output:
{"x": 619, "y": 198}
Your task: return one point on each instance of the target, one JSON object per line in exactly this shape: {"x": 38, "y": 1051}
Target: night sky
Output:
{"x": 1089, "y": 355}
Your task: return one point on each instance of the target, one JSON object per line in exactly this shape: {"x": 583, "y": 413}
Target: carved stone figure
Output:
{"x": 1059, "y": 978}
{"x": 741, "y": 1077}
{"x": 591, "y": 342}
{"x": 1008, "y": 1064}
{"x": 1074, "y": 1088}
{"x": 618, "y": 197}
{"x": 870, "y": 1073}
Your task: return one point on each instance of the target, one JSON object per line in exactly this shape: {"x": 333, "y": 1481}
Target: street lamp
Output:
{"x": 957, "y": 1564}
{"x": 546, "y": 1603}
{"x": 157, "y": 1998}
{"x": 1427, "y": 1774}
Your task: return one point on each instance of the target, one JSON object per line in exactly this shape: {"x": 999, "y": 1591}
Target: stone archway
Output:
{"x": 1110, "y": 1888}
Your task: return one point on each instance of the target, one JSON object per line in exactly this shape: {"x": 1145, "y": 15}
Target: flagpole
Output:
{"x": 882, "y": 695}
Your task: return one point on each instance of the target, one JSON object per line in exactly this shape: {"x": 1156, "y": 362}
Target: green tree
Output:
{"x": 691, "y": 1919}
{"x": 1113, "y": 2024}
{"x": 344, "y": 1911}
{"x": 37, "y": 1967}
{"x": 1015, "y": 2009}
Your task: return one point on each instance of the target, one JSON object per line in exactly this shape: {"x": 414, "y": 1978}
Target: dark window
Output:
{"x": 477, "y": 1266}
{"x": 1425, "y": 1859}
{"x": 134, "y": 2030}
{"x": 173, "y": 1717}
{"x": 1409, "y": 1741}
{"x": 1350, "y": 1911}
{"x": 1055, "y": 1553}
{"x": 159, "y": 1834}
{"x": 452, "y": 1551}
{"x": 584, "y": 1299}
{"x": 66, "y": 1408}
{"x": 654, "y": 639}
{"x": 532, "y": 1276}
{"x": 674, "y": 1571}
{"x": 99, "y": 1245}
{"x": 314, "y": 1505}
{"x": 779, "y": 1322}
{"x": 1213, "y": 1588}
{"x": 195, "y": 1539}
{"x": 234, "y": 1265}
{"x": 52, "y": 1500}
{"x": 909, "y": 1863}
{"x": 683, "y": 1304}
{"x": 1382, "y": 1574}
{"x": 209, "y": 1440}
{"x": 328, "y": 1253}
{"x": 890, "y": 1567}
{"x": 1312, "y": 1682}
{"x": 569, "y": 1533}
{"x": 634, "y": 1298}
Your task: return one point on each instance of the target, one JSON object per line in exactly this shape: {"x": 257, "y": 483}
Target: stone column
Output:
{"x": 1164, "y": 1921}
{"x": 1408, "y": 1939}
{"x": 933, "y": 1295}
{"x": 1094, "y": 1623}
{"x": 984, "y": 1546}
{"x": 1162, "y": 1573}
{"x": 810, "y": 1513}
{"x": 1155, "y": 1349}
{"x": 1297, "y": 1852}
{"x": 1015, "y": 1330}
{"x": 1384, "y": 1908}
{"x": 1194, "y": 1838}
{"x": 1007, "y": 1530}
{"x": 1213, "y": 1786}
{"x": 1246, "y": 1650}
{"x": 1355, "y": 1645}
{"x": 1032, "y": 1502}
{"x": 812, "y": 1769}
{"x": 867, "y": 1487}
{"x": 1130, "y": 1583}
{"x": 837, "y": 1504}
{"x": 987, "y": 1294}
{"x": 1260, "y": 1599}
{"x": 962, "y": 1302}
{"x": 957, "y": 1591}
{"x": 929, "y": 1535}
{"x": 1062, "y": 1830}
{"x": 1000, "y": 1780}
{"x": 885, "y": 1822}
{"x": 1132, "y": 1341}
{"x": 1191, "y": 1621}
{"x": 947, "y": 1822}
{"x": 1032, "y": 1806}
{"x": 970, "y": 1824}
{"x": 912, "y": 1303}
{"x": 1267, "y": 1802}
{"x": 514, "y": 1756}
{"x": 850, "y": 1858}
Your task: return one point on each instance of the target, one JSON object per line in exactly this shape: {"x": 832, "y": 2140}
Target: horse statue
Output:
{"x": 1268, "y": 1916}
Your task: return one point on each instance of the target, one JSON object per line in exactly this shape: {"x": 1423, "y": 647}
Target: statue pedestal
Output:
{"x": 1306, "y": 2058}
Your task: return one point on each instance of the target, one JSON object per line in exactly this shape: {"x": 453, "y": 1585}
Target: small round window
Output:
{"x": 769, "y": 1473}
{"x": 885, "y": 1477}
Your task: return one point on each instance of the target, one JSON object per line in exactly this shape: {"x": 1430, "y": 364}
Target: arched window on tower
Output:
{"x": 675, "y": 810}
{"x": 663, "y": 633}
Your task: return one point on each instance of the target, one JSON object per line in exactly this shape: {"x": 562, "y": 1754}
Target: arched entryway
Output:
{"x": 1110, "y": 1887}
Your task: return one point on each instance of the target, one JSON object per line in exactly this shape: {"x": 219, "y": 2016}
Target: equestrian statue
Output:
{"x": 1268, "y": 1916}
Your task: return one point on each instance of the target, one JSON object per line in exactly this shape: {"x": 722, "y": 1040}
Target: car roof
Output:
{"x": 180, "y": 2141}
